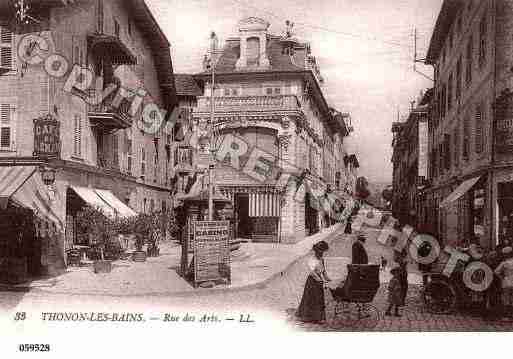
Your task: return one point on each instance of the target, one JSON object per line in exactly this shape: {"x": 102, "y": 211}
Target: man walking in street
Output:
{"x": 359, "y": 254}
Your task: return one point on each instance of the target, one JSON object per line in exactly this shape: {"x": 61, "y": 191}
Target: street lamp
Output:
{"x": 47, "y": 175}
{"x": 211, "y": 165}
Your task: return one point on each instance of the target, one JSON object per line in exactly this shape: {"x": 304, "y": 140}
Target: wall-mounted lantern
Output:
{"x": 47, "y": 175}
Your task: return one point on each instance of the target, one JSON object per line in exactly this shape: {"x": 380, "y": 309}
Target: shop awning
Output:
{"x": 11, "y": 179}
{"x": 121, "y": 209}
{"x": 90, "y": 197}
{"x": 25, "y": 188}
{"x": 459, "y": 191}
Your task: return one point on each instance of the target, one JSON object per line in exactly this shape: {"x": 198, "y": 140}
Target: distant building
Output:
{"x": 410, "y": 158}
{"x": 269, "y": 92}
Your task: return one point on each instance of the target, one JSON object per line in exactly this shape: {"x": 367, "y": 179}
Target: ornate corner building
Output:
{"x": 269, "y": 92}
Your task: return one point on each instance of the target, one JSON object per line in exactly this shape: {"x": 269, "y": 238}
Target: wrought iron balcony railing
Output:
{"x": 109, "y": 117}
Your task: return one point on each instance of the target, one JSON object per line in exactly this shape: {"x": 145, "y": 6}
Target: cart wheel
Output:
{"x": 439, "y": 297}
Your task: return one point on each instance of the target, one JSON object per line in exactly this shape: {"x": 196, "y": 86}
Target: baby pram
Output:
{"x": 353, "y": 297}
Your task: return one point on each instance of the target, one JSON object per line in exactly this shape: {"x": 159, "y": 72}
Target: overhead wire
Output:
{"x": 326, "y": 29}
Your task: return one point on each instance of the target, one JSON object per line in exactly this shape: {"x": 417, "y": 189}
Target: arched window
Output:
{"x": 253, "y": 51}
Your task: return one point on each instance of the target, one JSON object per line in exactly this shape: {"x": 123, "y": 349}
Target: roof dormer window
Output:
{"x": 253, "y": 51}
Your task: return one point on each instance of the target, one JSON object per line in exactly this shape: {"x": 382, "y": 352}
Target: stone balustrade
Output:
{"x": 250, "y": 103}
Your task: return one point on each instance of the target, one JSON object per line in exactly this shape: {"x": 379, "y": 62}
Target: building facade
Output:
{"x": 269, "y": 93}
{"x": 410, "y": 159}
{"x": 98, "y": 69}
{"x": 470, "y": 126}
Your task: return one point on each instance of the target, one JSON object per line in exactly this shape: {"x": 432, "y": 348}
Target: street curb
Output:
{"x": 204, "y": 291}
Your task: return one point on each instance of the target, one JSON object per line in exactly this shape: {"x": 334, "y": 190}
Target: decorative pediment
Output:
{"x": 253, "y": 24}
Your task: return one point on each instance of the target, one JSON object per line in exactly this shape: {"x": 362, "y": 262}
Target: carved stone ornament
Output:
{"x": 253, "y": 24}
{"x": 284, "y": 141}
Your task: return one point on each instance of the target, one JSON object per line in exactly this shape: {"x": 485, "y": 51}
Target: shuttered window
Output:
{"x": 156, "y": 161}
{"x": 449, "y": 92}
{"x": 115, "y": 151}
{"x": 143, "y": 162}
{"x": 479, "y": 129}
{"x": 466, "y": 136}
{"x": 441, "y": 152}
{"x": 45, "y": 92}
{"x": 100, "y": 16}
{"x": 77, "y": 136}
{"x": 129, "y": 152}
{"x": 470, "y": 55}
{"x": 483, "y": 27}
{"x": 456, "y": 151}
{"x": 7, "y": 58}
{"x": 447, "y": 150}
{"x": 6, "y": 126}
{"x": 458, "y": 78}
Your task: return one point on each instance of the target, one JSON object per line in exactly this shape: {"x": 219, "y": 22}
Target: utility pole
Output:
{"x": 417, "y": 60}
{"x": 211, "y": 165}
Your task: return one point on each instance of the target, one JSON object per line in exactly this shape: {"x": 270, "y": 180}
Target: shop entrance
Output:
{"x": 242, "y": 222}
{"x": 505, "y": 202}
{"x": 20, "y": 249}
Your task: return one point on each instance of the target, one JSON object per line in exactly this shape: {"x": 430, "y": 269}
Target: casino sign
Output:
{"x": 47, "y": 138}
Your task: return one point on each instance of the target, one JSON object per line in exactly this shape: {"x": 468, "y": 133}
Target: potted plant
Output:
{"x": 142, "y": 230}
{"x": 100, "y": 230}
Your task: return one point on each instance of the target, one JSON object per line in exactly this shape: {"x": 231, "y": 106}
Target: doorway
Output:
{"x": 242, "y": 222}
{"x": 505, "y": 212}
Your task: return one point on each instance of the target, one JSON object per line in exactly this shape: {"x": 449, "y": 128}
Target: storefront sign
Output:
{"x": 47, "y": 139}
{"x": 211, "y": 251}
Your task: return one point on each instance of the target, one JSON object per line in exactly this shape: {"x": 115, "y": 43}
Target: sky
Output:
{"x": 365, "y": 49}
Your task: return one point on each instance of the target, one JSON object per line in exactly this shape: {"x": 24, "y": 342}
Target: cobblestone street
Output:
{"x": 277, "y": 300}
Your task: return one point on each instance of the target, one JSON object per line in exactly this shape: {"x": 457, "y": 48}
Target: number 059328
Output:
{"x": 34, "y": 347}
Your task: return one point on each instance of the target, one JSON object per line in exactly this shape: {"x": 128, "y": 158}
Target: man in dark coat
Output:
{"x": 359, "y": 254}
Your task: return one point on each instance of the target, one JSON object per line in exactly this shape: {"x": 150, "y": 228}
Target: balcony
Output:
{"x": 107, "y": 117}
{"x": 280, "y": 103}
{"x": 111, "y": 49}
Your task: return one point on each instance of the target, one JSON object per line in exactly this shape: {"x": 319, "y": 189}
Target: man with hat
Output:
{"x": 505, "y": 272}
{"x": 359, "y": 254}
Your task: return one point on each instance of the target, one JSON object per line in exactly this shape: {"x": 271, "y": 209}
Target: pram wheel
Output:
{"x": 354, "y": 316}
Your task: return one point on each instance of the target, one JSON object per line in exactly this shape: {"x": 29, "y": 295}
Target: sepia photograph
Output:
{"x": 225, "y": 171}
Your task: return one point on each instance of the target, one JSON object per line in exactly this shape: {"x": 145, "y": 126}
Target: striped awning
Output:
{"x": 264, "y": 205}
{"x": 11, "y": 179}
{"x": 121, "y": 209}
{"x": 459, "y": 192}
{"x": 91, "y": 198}
{"x": 25, "y": 188}
{"x": 263, "y": 201}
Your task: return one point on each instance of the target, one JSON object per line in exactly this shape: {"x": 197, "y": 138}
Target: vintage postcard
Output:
{"x": 173, "y": 170}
